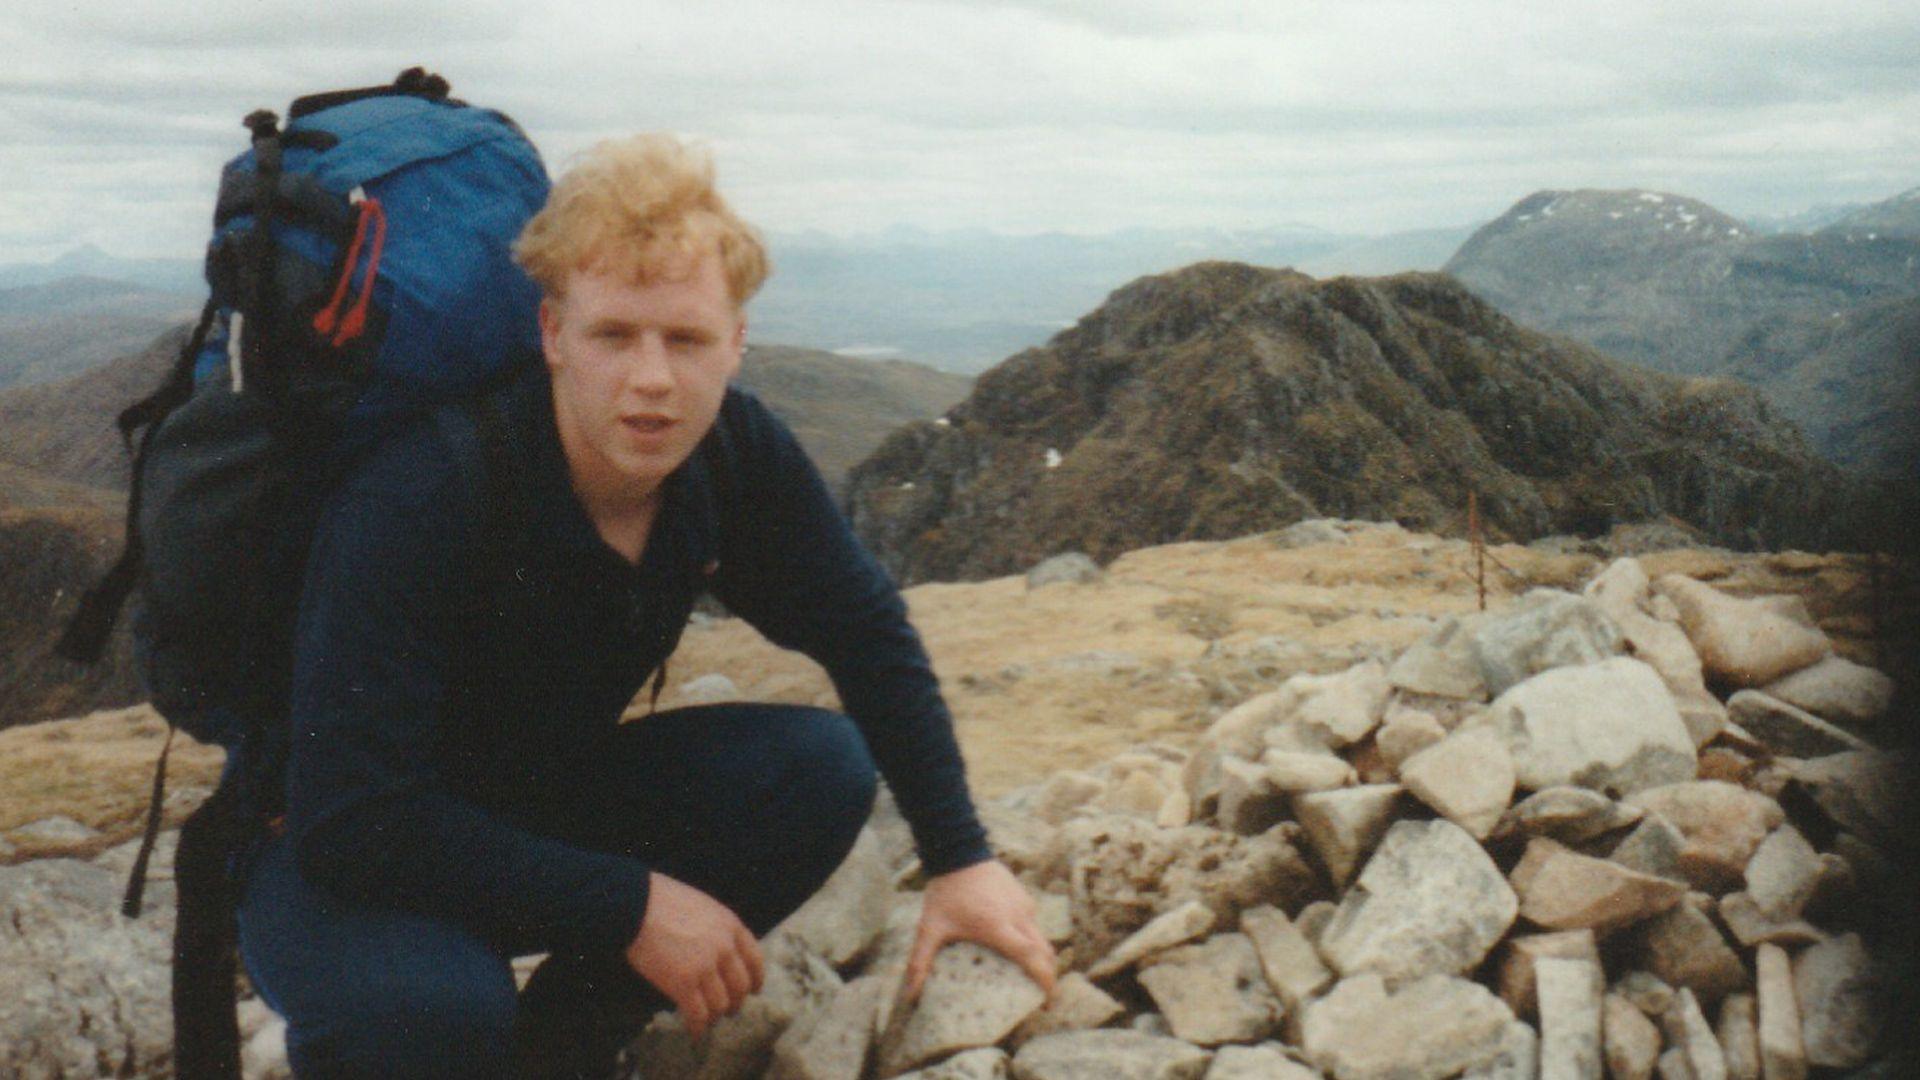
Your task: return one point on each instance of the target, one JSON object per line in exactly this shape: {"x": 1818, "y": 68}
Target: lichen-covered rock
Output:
{"x": 1442, "y": 663}
{"x": 1545, "y": 629}
{"x": 1838, "y": 689}
{"x": 1843, "y": 1002}
{"x": 1524, "y": 951}
{"x": 1109, "y": 1055}
{"x": 1429, "y": 901}
{"x": 1783, "y": 874}
{"x": 1185, "y": 923}
{"x": 1611, "y": 726}
{"x": 83, "y": 990}
{"x": 1124, "y": 872}
{"x": 1744, "y": 642}
{"x": 1788, "y": 729}
{"x": 1213, "y": 992}
{"x": 1466, "y": 778}
{"x": 1684, "y": 948}
{"x": 1562, "y": 889}
{"x": 1343, "y": 826}
{"x": 1569, "y": 993}
{"x": 1076, "y": 1005}
{"x": 832, "y": 1040}
{"x": 973, "y": 997}
{"x": 1722, "y": 824}
{"x": 1430, "y": 1028}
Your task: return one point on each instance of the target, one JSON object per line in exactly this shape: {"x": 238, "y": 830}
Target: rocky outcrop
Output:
{"x": 1224, "y": 399}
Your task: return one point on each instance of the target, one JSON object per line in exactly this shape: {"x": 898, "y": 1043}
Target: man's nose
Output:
{"x": 649, "y": 371}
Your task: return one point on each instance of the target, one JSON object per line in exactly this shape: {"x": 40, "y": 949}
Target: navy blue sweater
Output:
{"x": 437, "y": 696}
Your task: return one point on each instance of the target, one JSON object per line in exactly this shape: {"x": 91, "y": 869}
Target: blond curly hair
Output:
{"x": 643, "y": 207}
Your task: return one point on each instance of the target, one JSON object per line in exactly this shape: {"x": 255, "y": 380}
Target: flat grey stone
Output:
{"x": 1685, "y": 949}
{"x": 1630, "y": 1041}
{"x": 1739, "y": 1037}
{"x": 1343, "y": 826}
{"x": 1291, "y": 964}
{"x": 1213, "y": 992}
{"x": 1070, "y": 568}
{"x": 831, "y": 1041}
{"x": 1432, "y": 1027}
{"x": 1563, "y": 890}
{"x": 1467, "y": 778}
{"x": 1783, "y": 1048}
{"x": 1843, "y": 1002}
{"x": 1442, "y": 664}
{"x": 1687, "y": 1031}
{"x": 1788, "y": 729}
{"x": 1567, "y": 813}
{"x": 1783, "y": 874}
{"x": 1611, "y": 726}
{"x": 1545, "y": 629}
{"x": 1836, "y": 689}
{"x": 1429, "y": 901}
{"x": 1569, "y": 992}
{"x": 1185, "y": 923}
{"x": 974, "y": 997}
{"x": 1076, "y": 1005}
{"x": 988, "y": 1063}
{"x": 1264, "y": 1062}
{"x": 1109, "y": 1055}
{"x": 1518, "y": 987}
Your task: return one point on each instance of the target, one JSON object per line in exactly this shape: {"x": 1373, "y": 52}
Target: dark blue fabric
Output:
{"x": 754, "y": 804}
{"x": 440, "y": 712}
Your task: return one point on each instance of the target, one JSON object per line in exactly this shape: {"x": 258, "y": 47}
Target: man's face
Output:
{"x": 638, "y": 372}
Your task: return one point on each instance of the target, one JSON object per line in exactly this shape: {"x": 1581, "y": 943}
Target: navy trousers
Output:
{"x": 753, "y": 804}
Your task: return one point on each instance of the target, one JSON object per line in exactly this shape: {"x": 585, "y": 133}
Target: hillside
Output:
{"x": 841, "y": 408}
{"x": 50, "y": 555}
{"x": 65, "y": 429}
{"x": 1224, "y": 399}
{"x": 1671, "y": 282}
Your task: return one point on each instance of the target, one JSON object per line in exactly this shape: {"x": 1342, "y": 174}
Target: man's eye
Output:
{"x": 688, "y": 340}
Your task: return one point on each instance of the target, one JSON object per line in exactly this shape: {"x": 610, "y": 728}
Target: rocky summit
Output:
{"x": 1224, "y": 399}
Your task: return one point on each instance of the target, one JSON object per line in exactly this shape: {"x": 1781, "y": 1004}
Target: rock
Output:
{"x": 1843, "y": 1009}
{"x": 1213, "y": 992}
{"x": 1405, "y": 733}
{"x": 1783, "y": 1052}
{"x": 1242, "y": 730}
{"x": 1783, "y": 874}
{"x": 1524, "y": 951}
{"x": 1750, "y": 926}
{"x": 740, "y": 1047}
{"x": 1545, "y": 629}
{"x": 1250, "y": 803}
{"x": 1562, "y": 889}
{"x": 1339, "y": 709}
{"x": 1653, "y": 847}
{"x": 1621, "y": 588}
{"x": 1264, "y": 1062}
{"x": 1152, "y": 1023}
{"x": 1313, "y": 919}
{"x": 1743, "y": 642}
{"x": 1517, "y": 1058}
{"x": 1109, "y": 1055}
{"x": 52, "y": 831}
{"x": 1076, "y": 1005}
{"x": 1630, "y": 1042}
{"x": 709, "y": 689}
{"x": 1139, "y": 792}
{"x": 1739, "y": 1037}
{"x": 1433, "y": 1027}
{"x": 1429, "y": 901}
{"x": 1065, "y": 793}
{"x": 83, "y": 991}
{"x": 988, "y": 1063}
{"x": 842, "y": 920}
{"x": 1343, "y": 826}
{"x": 832, "y": 1040}
{"x": 1569, "y": 993}
{"x": 1291, "y": 964}
{"x": 1687, "y": 1032}
{"x": 1467, "y": 778}
{"x": 1443, "y": 663}
{"x": 1788, "y": 729}
{"x": 1861, "y": 791}
{"x": 1610, "y": 726}
{"x": 1123, "y": 872}
{"x": 1566, "y": 813}
{"x": 1310, "y": 533}
{"x": 1070, "y": 568}
{"x": 1838, "y": 689}
{"x": 1684, "y": 948}
{"x": 1648, "y": 992}
{"x": 1185, "y": 923}
{"x": 1673, "y": 1065}
{"x": 1721, "y": 826}
{"x": 1055, "y": 916}
{"x": 1304, "y": 770}
{"x": 973, "y": 997}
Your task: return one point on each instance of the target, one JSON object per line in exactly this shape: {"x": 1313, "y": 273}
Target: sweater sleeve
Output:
{"x": 368, "y": 811}
{"x": 791, "y": 566}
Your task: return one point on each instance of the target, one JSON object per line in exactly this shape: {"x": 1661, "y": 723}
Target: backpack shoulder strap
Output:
{"x": 489, "y": 455}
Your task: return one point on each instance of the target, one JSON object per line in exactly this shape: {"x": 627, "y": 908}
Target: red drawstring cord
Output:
{"x": 356, "y": 321}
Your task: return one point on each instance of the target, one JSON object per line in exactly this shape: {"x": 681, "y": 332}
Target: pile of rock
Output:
{"x": 1537, "y": 843}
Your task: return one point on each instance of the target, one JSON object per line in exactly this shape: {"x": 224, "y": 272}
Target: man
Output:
{"x": 460, "y": 788}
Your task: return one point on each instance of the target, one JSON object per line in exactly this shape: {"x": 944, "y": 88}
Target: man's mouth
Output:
{"x": 648, "y": 425}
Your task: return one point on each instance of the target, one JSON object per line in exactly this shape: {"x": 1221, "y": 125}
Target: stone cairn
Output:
{"x": 1535, "y": 844}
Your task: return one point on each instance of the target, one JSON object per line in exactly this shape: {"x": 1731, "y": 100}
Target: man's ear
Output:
{"x": 740, "y": 333}
{"x": 549, "y": 328}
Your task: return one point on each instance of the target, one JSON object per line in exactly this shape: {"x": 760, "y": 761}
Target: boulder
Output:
{"x": 1685, "y": 949}
{"x": 1750, "y": 926}
{"x": 1783, "y": 874}
{"x": 973, "y": 997}
{"x": 1467, "y": 778}
{"x": 1563, "y": 890}
{"x": 1516, "y": 1058}
{"x": 1429, "y": 901}
{"x": 1862, "y": 791}
{"x": 1630, "y": 1042}
{"x": 1297, "y": 771}
{"x": 1076, "y": 1005}
{"x": 842, "y": 920}
{"x": 1065, "y": 794}
{"x": 1545, "y": 629}
{"x": 1343, "y": 826}
{"x": 1264, "y": 1062}
{"x": 1405, "y": 733}
{"x": 1788, "y": 729}
{"x": 1743, "y": 642}
{"x": 1433, "y": 1027}
{"x": 1648, "y": 992}
{"x": 1109, "y": 1055}
{"x": 989, "y": 1063}
{"x": 1783, "y": 1051}
{"x": 1569, "y": 994}
{"x": 1291, "y": 964}
{"x": 1688, "y": 1032}
{"x": 1213, "y": 992}
{"x": 1611, "y": 726}
{"x": 1837, "y": 689}
{"x": 1653, "y": 847}
{"x": 1525, "y": 951}
{"x": 1339, "y": 709}
{"x": 83, "y": 990}
{"x": 1068, "y": 568}
{"x": 1739, "y": 1037}
{"x": 1843, "y": 1002}
{"x": 708, "y": 690}
{"x": 1443, "y": 663}
{"x": 1566, "y": 813}
{"x": 1250, "y": 801}
{"x": 1185, "y": 923}
{"x": 832, "y": 1040}
{"x": 1721, "y": 825}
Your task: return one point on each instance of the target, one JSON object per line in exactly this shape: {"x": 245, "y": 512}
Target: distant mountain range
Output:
{"x": 51, "y": 330}
{"x": 1225, "y": 399}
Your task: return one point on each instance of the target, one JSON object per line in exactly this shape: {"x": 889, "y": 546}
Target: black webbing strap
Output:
{"x": 257, "y": 293}
{"x": 85, "y": 637}
{"x": 137, "y": 877}
{"x": 206, "y": 1028}
{"x": 413, "y": 82}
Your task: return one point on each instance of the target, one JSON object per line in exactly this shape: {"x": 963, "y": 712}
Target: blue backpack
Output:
{"x": 360, "y": 274}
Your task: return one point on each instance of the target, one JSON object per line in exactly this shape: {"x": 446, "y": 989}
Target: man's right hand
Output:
{"x": 696, "y": 951}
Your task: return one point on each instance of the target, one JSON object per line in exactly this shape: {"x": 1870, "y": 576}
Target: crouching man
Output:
{"x": 483, "y": 602}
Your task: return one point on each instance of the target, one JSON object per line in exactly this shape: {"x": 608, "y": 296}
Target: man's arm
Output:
{"x": 791, "y": 566}
{"x": 368, "y": 813}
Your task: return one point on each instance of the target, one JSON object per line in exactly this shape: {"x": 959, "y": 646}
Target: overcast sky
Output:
{"x": 1013, "y": 115}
